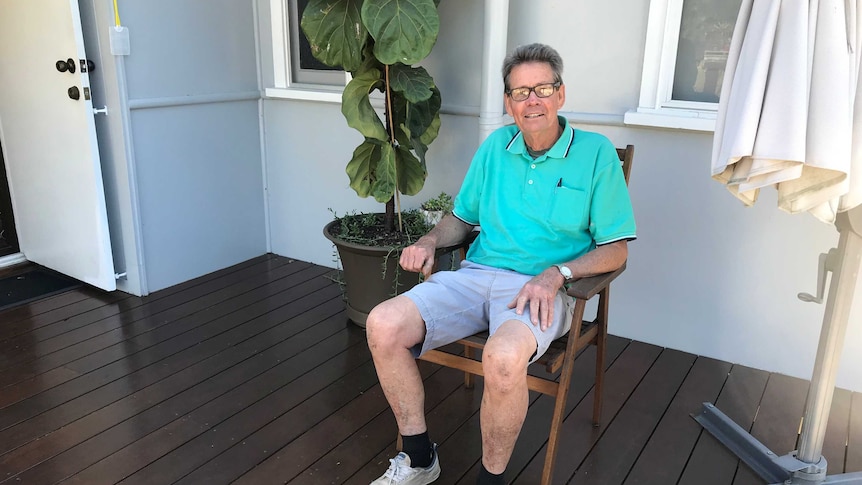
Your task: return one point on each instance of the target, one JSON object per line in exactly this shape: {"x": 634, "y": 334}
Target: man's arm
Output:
{"x": 540, "y": 291}
{"x": 419, "y": 257}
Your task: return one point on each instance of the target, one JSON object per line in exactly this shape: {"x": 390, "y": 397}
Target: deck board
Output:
{"x": 710, "y": 462}
{"x": 253, "y": 374}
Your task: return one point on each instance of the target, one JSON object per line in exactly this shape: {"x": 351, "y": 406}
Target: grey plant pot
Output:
{"x": 366, "y": 283}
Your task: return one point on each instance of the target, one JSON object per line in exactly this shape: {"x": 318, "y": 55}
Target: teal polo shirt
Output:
{"x": 552, "y": 209}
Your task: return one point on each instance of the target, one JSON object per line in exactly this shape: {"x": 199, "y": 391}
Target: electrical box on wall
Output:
{"x": 120, "y": 41}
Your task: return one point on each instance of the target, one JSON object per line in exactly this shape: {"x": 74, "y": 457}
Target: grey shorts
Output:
{"x": 475, "y": 298}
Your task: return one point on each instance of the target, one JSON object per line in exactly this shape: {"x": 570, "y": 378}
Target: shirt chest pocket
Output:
{"x": 568, "y": 209}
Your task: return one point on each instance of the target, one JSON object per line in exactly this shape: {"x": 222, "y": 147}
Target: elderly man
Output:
{"x": 553, "y": 206}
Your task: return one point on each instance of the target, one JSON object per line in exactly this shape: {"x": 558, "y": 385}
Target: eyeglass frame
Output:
{"x": 532, "y": 89}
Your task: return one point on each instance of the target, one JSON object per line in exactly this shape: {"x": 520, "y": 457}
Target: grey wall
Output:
{"x": 193, "y": 95}
{"x": 706, "y": 275}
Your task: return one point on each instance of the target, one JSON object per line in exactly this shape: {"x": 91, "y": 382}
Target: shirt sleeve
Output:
{"x": 611, "y": 215}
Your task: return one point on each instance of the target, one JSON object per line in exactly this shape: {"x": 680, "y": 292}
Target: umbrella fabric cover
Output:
{"x": 791, "y": 104}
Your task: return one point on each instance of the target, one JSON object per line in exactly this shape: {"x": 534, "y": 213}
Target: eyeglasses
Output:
{"x": 541, "y": 90}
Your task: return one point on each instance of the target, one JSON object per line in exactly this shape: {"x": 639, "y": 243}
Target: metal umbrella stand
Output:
{"x": 807, "y": 465}
{"x": 790, "y": 117}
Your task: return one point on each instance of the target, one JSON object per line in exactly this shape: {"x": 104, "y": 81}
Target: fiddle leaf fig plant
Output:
{"x": 378, "y": 41}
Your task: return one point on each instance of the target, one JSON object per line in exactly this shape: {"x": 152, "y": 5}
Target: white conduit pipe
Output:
{"x": 493, "y": 52}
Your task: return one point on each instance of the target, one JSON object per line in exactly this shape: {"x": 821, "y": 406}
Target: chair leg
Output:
{"x": 469, "y": 379}
{"x": 601, "y": 350}
{"x": 562, "y": 393}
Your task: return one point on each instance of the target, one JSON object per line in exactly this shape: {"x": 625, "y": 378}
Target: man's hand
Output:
{"x": 539, "y": 293}
{"x": 418, "y": 257}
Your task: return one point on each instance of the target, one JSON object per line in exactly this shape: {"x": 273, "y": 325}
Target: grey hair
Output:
{"x": 533, "y": 53}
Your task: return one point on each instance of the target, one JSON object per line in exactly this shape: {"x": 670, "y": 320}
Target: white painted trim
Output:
{"x": 493, "y": 52}
{"x": 304, "y": 94}
{"x": 672, "y": 118}
{"x": 12, "y": 260}
{"x": 143, "y": 288}
{"x": 280, "y": 36}
{"x": 261, "y": 119}
{"x": 655, "y": 107}
{"x": 145, "y": 103}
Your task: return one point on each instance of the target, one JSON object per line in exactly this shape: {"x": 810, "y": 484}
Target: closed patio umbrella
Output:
{"x": 790, "y": 117}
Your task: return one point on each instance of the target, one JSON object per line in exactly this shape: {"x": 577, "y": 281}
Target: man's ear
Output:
{"x": 562, "y": 93}
{"x": 507, "y": 102}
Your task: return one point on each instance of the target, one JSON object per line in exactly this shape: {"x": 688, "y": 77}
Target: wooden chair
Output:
{"x": 560, "y": 356}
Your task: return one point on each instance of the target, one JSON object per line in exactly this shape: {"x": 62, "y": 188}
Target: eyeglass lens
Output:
{"x": 542, "y": 91}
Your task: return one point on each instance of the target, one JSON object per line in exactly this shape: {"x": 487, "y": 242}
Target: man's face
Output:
{"x": 535, "y": 115}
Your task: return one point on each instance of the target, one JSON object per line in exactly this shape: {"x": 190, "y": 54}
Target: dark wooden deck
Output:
{"x": 253, "y": 375}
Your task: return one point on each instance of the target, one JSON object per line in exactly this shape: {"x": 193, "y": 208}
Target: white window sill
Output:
{"x": 679, "y": 119}
{"x": 305, "y": 94}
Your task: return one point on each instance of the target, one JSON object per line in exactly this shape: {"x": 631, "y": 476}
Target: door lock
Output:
{"x": 87, "y": 65}
{"x": 74, "y": 93}
{"x": 67, "y": 65}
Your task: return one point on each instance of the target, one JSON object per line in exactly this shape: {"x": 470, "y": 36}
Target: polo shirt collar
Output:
{"x": 561, "y": 148}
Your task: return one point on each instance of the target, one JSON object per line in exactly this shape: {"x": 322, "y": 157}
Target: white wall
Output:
{"x": 706, "y": 275}
{"x": 193, "y": 93}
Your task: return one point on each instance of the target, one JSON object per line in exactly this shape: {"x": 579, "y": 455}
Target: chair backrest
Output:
{"x": 626, "y": 155}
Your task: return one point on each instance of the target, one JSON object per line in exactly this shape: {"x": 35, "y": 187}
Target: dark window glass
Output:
{"x": 704, "y": 40}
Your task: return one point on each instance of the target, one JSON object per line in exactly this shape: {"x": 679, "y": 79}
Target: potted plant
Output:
{"x": 434, "y": 209}
{"x": 378, "y": 42}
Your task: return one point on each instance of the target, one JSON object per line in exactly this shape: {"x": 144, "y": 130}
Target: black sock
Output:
{"x": 488, "y": 478}
{"x": 418, "y": 447}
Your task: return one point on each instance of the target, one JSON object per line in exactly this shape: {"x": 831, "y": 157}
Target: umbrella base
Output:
{"x": 779, "y": 470}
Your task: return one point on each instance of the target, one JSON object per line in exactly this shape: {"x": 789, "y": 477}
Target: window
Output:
{"x": 686, "y": 52}
{"x": 297, "y": 74}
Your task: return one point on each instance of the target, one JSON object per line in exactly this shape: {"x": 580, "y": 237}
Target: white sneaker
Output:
{"x": 401, "y": 473}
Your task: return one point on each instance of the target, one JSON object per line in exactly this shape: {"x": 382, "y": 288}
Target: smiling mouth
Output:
{"x": 533, "y": 115}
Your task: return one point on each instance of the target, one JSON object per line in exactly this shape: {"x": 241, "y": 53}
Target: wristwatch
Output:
{"x": 565, "y": 271}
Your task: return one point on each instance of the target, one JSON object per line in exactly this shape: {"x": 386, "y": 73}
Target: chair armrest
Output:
{"x": 586, "y": 288}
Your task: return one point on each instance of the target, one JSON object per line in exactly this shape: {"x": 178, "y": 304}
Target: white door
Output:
{"x": 49, "y": 141}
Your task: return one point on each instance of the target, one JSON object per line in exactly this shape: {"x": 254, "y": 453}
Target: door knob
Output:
{"x": 87, "y": 65}
{"x": 67, "y": 65}
{"x": 74, "y": 93}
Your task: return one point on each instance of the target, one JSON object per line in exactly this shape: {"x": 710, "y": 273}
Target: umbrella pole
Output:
{"x": 835, "y": 320}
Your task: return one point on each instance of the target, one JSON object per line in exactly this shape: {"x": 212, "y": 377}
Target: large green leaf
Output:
{"x": 335, "y": 31}
{"x": 414, "y": 83}
{"x": 364, "y": 169}
{"x": 416, "y": 118}
{"x": 384, "y": 184}
{"x": 404, "y": 30}
{"x": 356, "y": 106}
{"x": 421, "y": 115}
{"x": 411, "y": 174}
{"x": 432, "y": 131}
{"x": 360, "y": 169}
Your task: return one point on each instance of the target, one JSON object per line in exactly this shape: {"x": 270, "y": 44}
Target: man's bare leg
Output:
{"x": 393, "y": 327}
{"x": 505, "y": 399}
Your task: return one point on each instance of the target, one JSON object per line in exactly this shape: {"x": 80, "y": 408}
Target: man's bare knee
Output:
{"x": 505, "y": 359}
{"x": 395, "y": 323}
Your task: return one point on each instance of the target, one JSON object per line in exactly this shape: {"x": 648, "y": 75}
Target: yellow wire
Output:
{"x": 116, "y": 14}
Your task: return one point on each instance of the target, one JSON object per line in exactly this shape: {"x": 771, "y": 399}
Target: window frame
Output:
{"x": 283, "y": 50}
{"x": 656, "y": 106}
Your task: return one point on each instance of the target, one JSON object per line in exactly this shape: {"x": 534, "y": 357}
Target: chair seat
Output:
{"x": 552, "y": 360}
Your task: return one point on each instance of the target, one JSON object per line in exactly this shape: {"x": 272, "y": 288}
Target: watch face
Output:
{"x": 565, "y": 271}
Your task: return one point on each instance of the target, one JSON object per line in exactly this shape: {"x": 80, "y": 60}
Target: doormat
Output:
{"x": 34, "y": 284}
